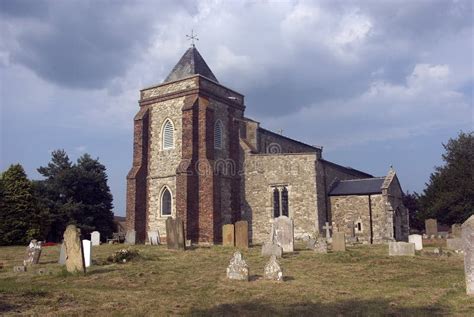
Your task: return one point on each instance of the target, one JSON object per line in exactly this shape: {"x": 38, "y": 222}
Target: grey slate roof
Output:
{"x": 190, "y": 64}
{"x": 362, "y": 186}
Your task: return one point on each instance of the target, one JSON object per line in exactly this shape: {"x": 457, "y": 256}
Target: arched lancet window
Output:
{"x": 276, "y": 202}
{"x": 284, "y": 202}
{"x": 168, "y": 135}
{"x": 218, "y": 129}
{"x": 166, "y": 202}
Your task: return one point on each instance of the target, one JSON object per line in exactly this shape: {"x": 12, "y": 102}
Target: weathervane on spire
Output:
{"x": 192, "y": 37}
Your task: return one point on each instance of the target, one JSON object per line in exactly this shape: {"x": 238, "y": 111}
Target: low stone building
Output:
{"x": 197, "y": 157}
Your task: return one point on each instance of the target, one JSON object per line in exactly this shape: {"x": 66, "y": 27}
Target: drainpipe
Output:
{"x": 370, "y": 220}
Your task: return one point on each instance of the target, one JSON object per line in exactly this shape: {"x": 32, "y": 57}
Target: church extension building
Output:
{"x": 197, "y": 157}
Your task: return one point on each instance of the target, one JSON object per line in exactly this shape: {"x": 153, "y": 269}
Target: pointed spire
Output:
{"x": 191, "y": 63}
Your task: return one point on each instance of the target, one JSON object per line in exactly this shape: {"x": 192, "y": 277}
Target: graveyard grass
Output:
{"x": 364, "y": 281}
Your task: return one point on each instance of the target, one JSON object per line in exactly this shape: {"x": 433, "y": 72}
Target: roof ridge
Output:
{"x": 361, "y": 179}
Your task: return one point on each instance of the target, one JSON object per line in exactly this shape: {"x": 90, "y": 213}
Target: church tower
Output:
{"x": 186, "y": 154}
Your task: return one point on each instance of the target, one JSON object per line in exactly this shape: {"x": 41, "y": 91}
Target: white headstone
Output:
{"x": 62, "y": 255}
{"x": 238, "y": 268}
{"x": 154, "y": 237}
{"x": 95, "y": 238}
{"x": 417, "y": 240}
{"x": 401, "y": 249}
{"x": 87, "y": 249}
{"x": 283, "y": 233}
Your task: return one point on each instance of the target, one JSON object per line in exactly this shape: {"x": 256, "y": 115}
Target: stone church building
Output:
{"x": 197, "y": 156}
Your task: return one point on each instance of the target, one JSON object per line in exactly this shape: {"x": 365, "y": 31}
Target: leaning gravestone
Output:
{"x": 242, "y": 234}
{"x": 273, "y": 270}
{"x": 338, "y": 241}
{"x": 401, "y": 249}
{"x": 238, "y": 268}
{"x": 62, "y": 255}
{"x": 456, "y": 230}
{"x": 468, "y": 247}
{"x": 283, "y": 233}
{"x": 95, "y": 238}
{"x": 269, "y": 249}
{"x": 87, "y": 251}
{"x": 228, "y": 238}
{"x": 130, "y": 237}
{"x": 73, "y": 246}
{"x": 417, "y": 240}
{"x": 153, "y": 237}
{"x": 431, "y": 227}
{"x": 33, "y": 253}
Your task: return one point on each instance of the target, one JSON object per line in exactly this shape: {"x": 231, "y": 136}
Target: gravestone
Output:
{"x": 95, "y": 238}
{"x": 73, "y": 246}
{"x": 269, "y": 249}
{"x": 338, "y": 241}
{"x": 468, "y": 247}
{"x": 327, "y": 228}
{"x": 238, "y": 268}
{"x": 321, "y": 246}
{"x": 62, "y": 255}
{"x": 431, "y": 227}
{"x": 454, "y": 244}
{"x": 283, "y": 233}
{"x": 33, "y": 253}
{"x": 130, "y": 237}
{"x": 153, "y": 237}
{"x": 417, "y": 240}
{"x": 273, "y": 270}
{"x": 310, "y": 244}
{"x": 401, "y": 249}
{"x": 19, "y": 268}
{"x": 456, "y": 230}
{"x": 242, "y": 234}
{"x": 87, "y": 251}
{"x": 175, "y": 239}
{"x": 228, "y": 239}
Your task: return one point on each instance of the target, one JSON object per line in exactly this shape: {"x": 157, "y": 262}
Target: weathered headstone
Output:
{"x": 228, "y": 238}
{"x": 242, "y": 234}
{"x": 454, "y": 244}
{"x": 456, "y": 230}
{"x": 468, "y": 247}
{"x": 417, "y": 240}
{"x": 431, "y": 227}
{"x": 238, "y": 268}
{"x": 62, "y": 255}
{"x": 273, "y": 270}
{"x": 87, "y": 251}
{"x": 283, "y": 233}
{"x": 95, "y": 238}
{"x": 338, "y": 241}
{"x": 269, "y": 249}
{"x": 33, "y": 253}
{"x": 401, "y": 249}
{"x": 130, "y": 237}
{"x": 73, "y": 246}
{"x": 310, "y": 244}
{"x": 175, "y": 238}
{"x": 153, "y": 237}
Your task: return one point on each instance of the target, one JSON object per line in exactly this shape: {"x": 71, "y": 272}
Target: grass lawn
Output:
{"x": 364, "y": 281}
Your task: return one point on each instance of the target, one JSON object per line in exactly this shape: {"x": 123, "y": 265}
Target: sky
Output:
{"x": 376, "y": 83}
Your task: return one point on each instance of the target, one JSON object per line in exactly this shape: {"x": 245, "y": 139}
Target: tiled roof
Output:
{"x": 190, "y": 64}
{"x": 362, "y": 186}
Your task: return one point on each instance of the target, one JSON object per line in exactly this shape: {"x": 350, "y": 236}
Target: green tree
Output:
{"x": 449, "y": 195}
{"x": 411, "y": 202}
{"x": 76, "y": 194}
{"x": 18, "y": 213}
